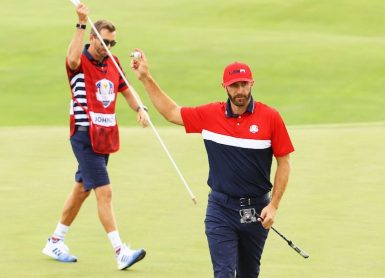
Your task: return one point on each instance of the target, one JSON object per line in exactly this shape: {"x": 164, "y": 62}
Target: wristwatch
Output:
{"x": 81, "y": 26}
{"x": 144, "y": 107}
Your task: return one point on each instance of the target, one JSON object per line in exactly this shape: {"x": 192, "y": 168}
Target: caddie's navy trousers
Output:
{"x": 235, "y": 247}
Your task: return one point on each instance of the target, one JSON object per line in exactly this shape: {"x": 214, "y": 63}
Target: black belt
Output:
{"x": 242, "y": 202}
{"x": 82, "y": 128}
{"x": 248, "y": 201}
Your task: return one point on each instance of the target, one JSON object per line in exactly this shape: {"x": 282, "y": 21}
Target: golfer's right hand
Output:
{"x": 82, "y": 12}
{"x": 139, "y": 65}
{"x": 267, "y": 216}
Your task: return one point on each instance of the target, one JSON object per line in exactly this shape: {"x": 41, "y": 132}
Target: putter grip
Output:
{"x": 298, "y": 250}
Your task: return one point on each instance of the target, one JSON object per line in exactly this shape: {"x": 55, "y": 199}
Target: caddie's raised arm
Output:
{"x": 75, "y": 48}
{"x": 162, "y": 102}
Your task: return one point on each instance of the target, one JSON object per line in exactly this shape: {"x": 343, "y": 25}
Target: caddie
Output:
{"x": 95, "y": 83}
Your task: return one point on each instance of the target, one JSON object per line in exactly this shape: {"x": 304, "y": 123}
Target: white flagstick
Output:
{"x": 75, "y": 2}
{"x": 135, "y": 95}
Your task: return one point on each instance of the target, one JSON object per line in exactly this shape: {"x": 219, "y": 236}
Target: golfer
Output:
{"x": 95, "y": 83}
{"x": 241, "y": 137}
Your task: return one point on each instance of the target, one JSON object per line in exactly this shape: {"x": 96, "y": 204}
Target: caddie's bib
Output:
{"x": 101, "y": 82}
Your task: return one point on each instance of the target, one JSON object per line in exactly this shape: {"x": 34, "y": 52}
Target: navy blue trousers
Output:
{"x": 235, "y": 247}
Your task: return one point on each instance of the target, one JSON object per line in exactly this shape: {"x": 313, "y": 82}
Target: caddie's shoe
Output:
{"x": 128, "y": 257}
{"x": 55, "y": 248}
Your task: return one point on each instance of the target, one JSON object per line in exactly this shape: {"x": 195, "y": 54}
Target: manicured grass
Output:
{"x": 331, "y": 209}
{"x": 316, "y": 61}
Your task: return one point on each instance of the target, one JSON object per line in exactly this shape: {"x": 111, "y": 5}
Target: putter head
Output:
{"x": 298, "y": 250}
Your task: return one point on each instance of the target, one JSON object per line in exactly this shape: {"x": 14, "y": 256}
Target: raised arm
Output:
{"x": 77, "y": 43}
{"x": 162, "y": 102}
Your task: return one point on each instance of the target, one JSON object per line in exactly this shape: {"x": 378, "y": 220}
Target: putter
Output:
{"x": 291, "y": 244}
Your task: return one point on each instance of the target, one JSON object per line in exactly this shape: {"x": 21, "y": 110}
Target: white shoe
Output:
{"x": 128, "y": 257}
{"x": 55, "y": 248}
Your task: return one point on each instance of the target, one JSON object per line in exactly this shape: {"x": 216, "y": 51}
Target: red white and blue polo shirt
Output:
{"x": 240, "y": 148}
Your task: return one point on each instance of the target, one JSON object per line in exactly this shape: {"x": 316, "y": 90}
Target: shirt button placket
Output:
{"x": 239, "y": 120}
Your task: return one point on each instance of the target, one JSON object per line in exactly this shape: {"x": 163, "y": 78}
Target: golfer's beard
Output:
{"x": 102, "y": 52}
{"x": 240, "y": 102}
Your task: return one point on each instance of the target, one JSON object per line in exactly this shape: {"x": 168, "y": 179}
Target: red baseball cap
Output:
{"x": 236, "y": 72}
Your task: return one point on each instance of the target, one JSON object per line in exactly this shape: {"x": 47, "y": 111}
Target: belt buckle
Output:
{"x": 244, "y": 202}
{"x": 248, "y": 215}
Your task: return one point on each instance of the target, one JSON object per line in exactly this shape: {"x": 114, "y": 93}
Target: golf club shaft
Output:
{"x": 291, "y": 244}
{"x": 136, "y": 97}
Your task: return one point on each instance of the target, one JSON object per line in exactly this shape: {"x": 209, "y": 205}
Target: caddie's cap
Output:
{"x": 236, "y": 72}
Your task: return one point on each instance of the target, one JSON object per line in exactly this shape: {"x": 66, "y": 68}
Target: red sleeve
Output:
{"x": 192, "y": 119}
{"x": 280, "y": 140}
{"x": 196, "y": 118}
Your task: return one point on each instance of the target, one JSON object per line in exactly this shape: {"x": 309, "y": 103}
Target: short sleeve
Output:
{"x": 280, "y": 141}
{"x": 192, "y": 119}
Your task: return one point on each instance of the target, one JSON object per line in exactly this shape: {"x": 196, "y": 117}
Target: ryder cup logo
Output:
{"x": 105, "y": 92}
{"x": 253, "y": 129}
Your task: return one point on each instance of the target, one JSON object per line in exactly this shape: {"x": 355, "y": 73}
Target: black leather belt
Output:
{"x": 242, "y": 202}
{"x": 82, "y": 128}
{"x": 248, "y": 201}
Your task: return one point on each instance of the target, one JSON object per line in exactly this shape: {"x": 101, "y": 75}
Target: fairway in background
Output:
{"x": 331, "y": 208}
{"x": 316, "y": 61}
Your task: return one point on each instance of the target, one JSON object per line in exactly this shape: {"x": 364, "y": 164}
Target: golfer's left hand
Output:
{"x": 141, "y": 118}
{"x": 267, "y": 216}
